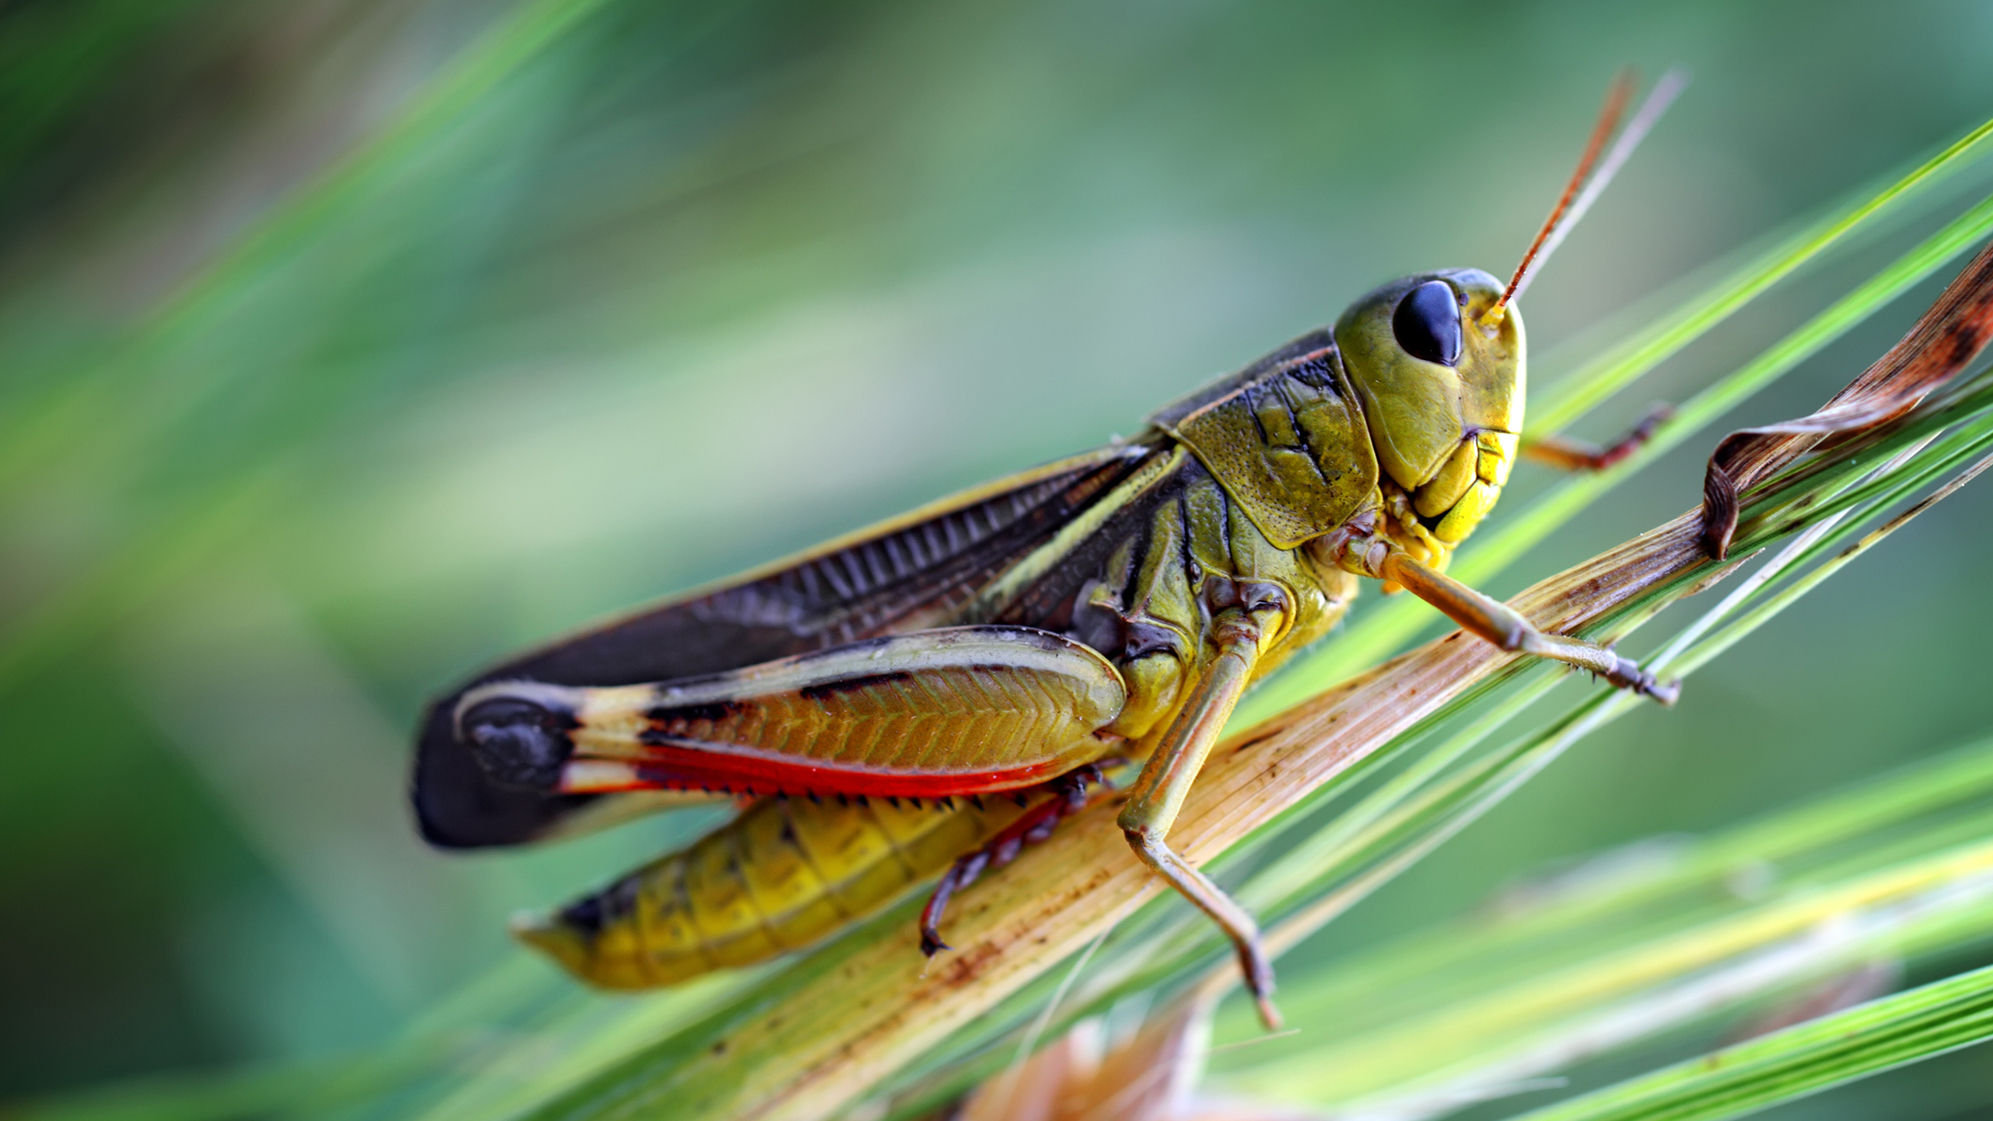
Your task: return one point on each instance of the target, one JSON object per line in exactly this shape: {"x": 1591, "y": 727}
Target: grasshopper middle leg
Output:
{"x": 1157, "y": 797}
{"x": 1561, "y": 451}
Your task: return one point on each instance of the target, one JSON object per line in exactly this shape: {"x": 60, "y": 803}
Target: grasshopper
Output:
{"x": 924, "y": 697}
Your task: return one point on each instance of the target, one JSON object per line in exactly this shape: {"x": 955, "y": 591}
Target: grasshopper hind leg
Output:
{"x": 1069, "y": 796}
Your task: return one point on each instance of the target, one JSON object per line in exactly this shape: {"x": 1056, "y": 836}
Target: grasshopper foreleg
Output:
{"x": 1069, "y": 796}
{"x": 1502, "y": 625}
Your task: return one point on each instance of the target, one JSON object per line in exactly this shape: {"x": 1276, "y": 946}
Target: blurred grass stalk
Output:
{"x": 75, "y": 419}
{"x": 1802, "y": 1060}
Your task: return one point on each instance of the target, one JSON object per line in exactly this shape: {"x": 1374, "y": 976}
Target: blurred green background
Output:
{"x": 342, "y": 351}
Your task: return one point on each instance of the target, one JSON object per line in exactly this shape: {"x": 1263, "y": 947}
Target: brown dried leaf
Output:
{"x": 1147, "y": 1077}
{"x": 1944, "y": 341}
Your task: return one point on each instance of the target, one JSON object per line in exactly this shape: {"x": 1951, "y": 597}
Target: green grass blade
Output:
{"x": 1837, "y": 836}
{"x": 1895, "y": 1031}
{"x": 261, "y": 1091}
{"x": 1606, "y": 992}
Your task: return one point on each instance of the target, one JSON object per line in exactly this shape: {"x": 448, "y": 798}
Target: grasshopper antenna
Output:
{"x": 1572, "y": 205}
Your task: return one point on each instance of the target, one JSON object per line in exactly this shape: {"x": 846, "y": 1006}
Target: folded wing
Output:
{"x": 915, "y": 571}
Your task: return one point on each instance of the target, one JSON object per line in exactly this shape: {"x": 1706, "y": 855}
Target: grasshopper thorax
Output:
{"x": 1442, "y": 391}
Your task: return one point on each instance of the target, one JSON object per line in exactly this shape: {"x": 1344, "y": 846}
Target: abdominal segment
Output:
{"x": 784, "y": 874}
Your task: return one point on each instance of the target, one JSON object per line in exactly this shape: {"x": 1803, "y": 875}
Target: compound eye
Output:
{"x": 1427, "y": 323}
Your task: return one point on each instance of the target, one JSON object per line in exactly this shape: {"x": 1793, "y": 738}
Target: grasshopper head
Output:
{"x": 1442, "y": 385}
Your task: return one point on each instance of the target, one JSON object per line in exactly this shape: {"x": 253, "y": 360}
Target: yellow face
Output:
{"x": 1442, "y": 394}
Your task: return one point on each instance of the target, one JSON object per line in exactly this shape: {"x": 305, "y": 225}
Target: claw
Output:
{"x": 1259, "y": 982}
{"x": 1627, "y": 674}
{"x": 1268, "y": 1014}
